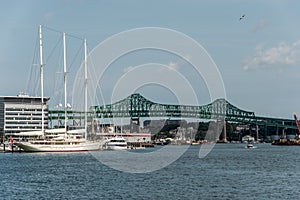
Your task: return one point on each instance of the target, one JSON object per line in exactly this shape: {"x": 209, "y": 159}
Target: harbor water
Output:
{"x": 229, "y": 171}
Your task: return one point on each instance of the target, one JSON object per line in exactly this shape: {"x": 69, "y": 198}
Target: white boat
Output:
{"x": 55, "y": 140}
{"x": 5, "y": 147}
{"x": 9, "y": 146}
{"x": 250, "y": 146}
{"x": 116, "y": 143}
{"x": 60, "y": 140}
{"x": 59, "y": 145}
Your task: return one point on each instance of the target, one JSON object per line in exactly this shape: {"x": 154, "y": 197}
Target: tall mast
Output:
{"x": 85, "y": 89}
{"x": 65, "y": 80}
{"x": 42, "y": 76}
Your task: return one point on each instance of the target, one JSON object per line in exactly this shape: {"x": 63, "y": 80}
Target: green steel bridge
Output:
{"x": 136, "y": 106}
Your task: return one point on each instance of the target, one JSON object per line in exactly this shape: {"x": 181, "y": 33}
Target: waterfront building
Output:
{"x": 105, "y": 131}
{"x": 22, "y": 113}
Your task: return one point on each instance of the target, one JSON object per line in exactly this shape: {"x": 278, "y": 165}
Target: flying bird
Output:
{"x": 242, "y": 17}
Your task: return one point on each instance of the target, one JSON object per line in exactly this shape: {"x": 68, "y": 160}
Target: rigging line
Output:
{"x": 81, "y": 89}
{"x": 57, "y": 89}
{"x": 98, "y": 86}
{"x": 67, "y": 34}
{"x": 32, "y": 64}
{"x": 74, "y": 36}
{"x": 52, "y": 51}
{"x": 74, "y": 59}
{"x": 52, "y": 29}
{"x": 71, "y": 66}
{"x": 36, "y": 86}
{"x": 81, "y": 67}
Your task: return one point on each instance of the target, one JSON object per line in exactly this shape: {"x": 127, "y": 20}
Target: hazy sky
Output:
{"x": 258, "y": 56}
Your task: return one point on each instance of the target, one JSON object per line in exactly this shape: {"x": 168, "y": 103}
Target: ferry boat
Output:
{"x": 116, "y": 143}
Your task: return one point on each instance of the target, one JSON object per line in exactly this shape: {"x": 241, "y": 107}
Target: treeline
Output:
{"x": 202, "y": 130}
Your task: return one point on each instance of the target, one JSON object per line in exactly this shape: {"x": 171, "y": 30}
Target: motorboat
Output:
{"x": 116, "y": 143}
{"x": 250, "y": 146}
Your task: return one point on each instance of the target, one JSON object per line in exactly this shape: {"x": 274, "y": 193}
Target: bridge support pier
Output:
{"x": 135, "y": 125}
{"x": 225, "y": 133}
{"x": 283, "y": 131}
{"x": 256, "y": 132}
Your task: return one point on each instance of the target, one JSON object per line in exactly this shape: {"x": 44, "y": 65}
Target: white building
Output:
{"x": 22, "y": 113}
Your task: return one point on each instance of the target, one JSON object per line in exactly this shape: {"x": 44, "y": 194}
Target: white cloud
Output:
{"x": 176, "y": 65}
{"x": 279, "y": 56}
{"x": 173, "y": 65}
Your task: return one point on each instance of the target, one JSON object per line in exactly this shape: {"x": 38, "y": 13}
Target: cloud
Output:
{"x": 279, "y": 56}
{"x": 173, "y": 65}
{"x": 176, "y": 65}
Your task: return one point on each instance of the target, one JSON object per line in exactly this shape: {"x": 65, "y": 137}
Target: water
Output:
{"x": 230, "y": 171}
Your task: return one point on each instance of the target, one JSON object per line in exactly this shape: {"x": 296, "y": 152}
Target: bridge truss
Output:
{"x": 136, "y": 106}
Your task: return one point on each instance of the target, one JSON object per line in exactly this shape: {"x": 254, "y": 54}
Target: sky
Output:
{"x": 257, "y": 56}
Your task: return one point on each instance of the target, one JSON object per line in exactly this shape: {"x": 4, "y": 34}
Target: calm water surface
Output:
{"x": 230, "y": 171}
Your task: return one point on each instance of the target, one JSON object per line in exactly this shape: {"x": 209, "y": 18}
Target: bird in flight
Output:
{"x": 242, "y": 17}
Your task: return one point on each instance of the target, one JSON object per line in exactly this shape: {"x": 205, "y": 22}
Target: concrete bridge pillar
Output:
{"x": 256, "y": 132}
{"x": 225, "y": 133}
{"x": 283, "y": 130}
{"x": 134, "y": 122}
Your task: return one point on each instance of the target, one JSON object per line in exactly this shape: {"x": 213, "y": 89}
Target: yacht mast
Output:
{"x": 65, "y": 80}
{"x": 85, "y": 89}
{"x": 42, "y": 76}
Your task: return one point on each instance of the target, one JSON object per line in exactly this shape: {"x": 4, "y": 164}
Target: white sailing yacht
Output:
{"x": 61, "y": 140}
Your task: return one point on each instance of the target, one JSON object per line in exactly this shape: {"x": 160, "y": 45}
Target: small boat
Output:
{"x": 2, "y": 147}
{"x": 250, "y": 146}
{"x": 8, "y": 147}
{"x": 116, "y": 143}
{"x": 195, "y": 143}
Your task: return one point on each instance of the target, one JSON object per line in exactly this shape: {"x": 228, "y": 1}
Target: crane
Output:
{"x": 297, "y": 124}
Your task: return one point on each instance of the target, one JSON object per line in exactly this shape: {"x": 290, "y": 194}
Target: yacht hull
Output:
{"x": 85, "y": 146}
